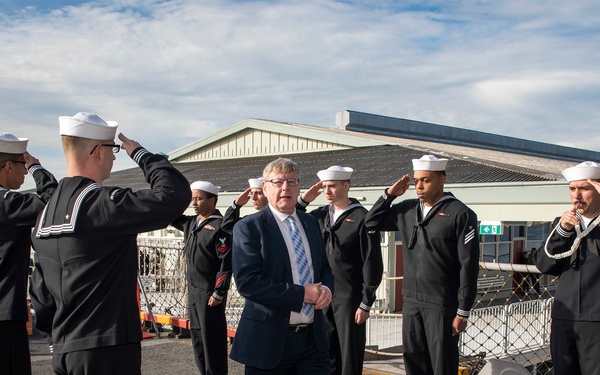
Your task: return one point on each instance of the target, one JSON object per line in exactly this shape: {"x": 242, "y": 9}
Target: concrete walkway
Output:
{"x": 174, "y": 356}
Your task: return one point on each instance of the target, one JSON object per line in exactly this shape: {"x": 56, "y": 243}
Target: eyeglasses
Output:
{"x": 278, "y": 182}
{"x": 115, "y": 148}
{"x": 17, "y": 161}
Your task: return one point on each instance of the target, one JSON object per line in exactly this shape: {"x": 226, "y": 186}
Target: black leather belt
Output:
{"x": 299, "y": 328}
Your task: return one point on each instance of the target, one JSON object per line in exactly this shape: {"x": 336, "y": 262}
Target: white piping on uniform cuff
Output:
{"x": 216, "y": 296}
{"x": 563, "y": 232}
{"x": 302, "y": 202}
{"x": 35, "y": 167}
{"x": 463, "y": 313}
{"x": 362, "y": 306}
{"x": 138, "y": 155}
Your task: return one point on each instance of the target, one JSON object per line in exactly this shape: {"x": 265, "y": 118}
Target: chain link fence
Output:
{"x": 162, "y": 273}
{"x": 511, "y": 317}
{"x": 510, "y": 320}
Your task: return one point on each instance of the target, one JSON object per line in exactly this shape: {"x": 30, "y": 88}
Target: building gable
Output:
{"x": 254, "y": 137}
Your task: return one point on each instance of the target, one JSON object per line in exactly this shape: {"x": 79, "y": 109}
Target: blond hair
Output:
{"x": 281, "y": 165}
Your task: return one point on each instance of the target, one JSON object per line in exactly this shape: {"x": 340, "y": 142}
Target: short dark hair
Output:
{"x": 4, "y": 158}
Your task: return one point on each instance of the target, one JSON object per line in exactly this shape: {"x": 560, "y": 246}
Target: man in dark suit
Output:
{"x": 280, "y": 267}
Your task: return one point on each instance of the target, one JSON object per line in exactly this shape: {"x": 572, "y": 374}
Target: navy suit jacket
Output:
{"x": 263, "y": 275}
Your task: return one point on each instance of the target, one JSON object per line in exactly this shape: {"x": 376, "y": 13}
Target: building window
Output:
{"x": 500, "y": 248}
{"x": 497, "y": 248}
{"x": 537, "y": 233}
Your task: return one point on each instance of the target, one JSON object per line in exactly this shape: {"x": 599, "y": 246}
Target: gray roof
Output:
{"x": 418, "y": 130}
{"x": 373, "y": 166}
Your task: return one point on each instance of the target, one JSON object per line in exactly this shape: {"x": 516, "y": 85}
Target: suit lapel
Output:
{"x": 271, "y": 230}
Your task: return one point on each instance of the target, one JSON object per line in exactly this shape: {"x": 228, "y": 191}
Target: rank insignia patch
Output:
{"x": 223, "y": 246}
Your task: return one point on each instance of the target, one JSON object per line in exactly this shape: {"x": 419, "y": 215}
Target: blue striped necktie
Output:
{"x": 303, "y": 267}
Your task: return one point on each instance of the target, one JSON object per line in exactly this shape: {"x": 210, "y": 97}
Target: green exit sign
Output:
{"x": 491, "y": 227}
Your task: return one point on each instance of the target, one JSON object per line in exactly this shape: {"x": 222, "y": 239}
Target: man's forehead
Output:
{"x": 580, "y": 183}
{"x": 333, "y": 182}
{"x": 276, "y": 175}
{"x": 19, "y": 157}
{"x": 421, "y": 174}
{"x": 199, "y": 193}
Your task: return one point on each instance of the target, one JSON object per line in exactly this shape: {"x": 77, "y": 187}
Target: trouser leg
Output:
{"x": 14, "y": 348}
{"x": 443, "y": 347}
{"x": 414, "y": 340}
{"x": 351, "y": 336}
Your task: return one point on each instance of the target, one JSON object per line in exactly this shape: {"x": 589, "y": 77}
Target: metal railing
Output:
{"x": 162, "y": 273}
{"x": 510, "y": 319}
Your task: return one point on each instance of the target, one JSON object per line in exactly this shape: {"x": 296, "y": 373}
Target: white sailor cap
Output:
{"x": 88, "y": 125}
{"x": 205, "y": 186}
{"x": 335, "y": 173}
{"x": 429, "y": 163}
{"x": 582, "y": 171}
{"x": 255, "y": 183}
{"x": 9, "y": 144}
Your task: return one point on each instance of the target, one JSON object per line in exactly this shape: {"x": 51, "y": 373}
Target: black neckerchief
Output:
{"x": 327, "y": 224}
{"x": 419, "y": 236}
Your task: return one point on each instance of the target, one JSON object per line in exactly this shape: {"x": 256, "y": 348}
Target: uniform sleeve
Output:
{"x": 223, "y": 251}
{"x": 301, "y": 205}
{"x": 22, "y": 209}
{"x": 468, "y": 256}
{"x": 131, "y": 212}
{"x": 180, "y": 222}
{"x": 45, "y": 183}
{"x": 232, "y": 215}
{"x": 559, "y": 241}
{"x": 326, "y": 273}
{"x": 381, "y": 216}
{"x": 42, "y": 301}
{"x": 370, "y": 242}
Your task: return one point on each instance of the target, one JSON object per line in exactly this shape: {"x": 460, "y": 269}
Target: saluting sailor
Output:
{"x": 254, "y": 192}
{"x": 86, "y": 269}
{"x": 354, "y": 253}
{"x": 208, "y": 260}
{"x": 572, "y": 252}
{"x": 18, "y": 212}
{"x": 441, "y": 265}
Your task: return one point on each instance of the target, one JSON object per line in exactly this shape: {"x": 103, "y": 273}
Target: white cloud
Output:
{"x": 173, "y": 71}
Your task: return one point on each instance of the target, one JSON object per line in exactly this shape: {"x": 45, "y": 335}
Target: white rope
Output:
{"x": 575, "y": 246}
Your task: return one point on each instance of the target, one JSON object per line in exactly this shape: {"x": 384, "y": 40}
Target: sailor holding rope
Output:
{"x": 572, "y": 252}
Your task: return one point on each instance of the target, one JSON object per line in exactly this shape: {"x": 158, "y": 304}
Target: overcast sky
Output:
{"x": 172, "y": 72}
